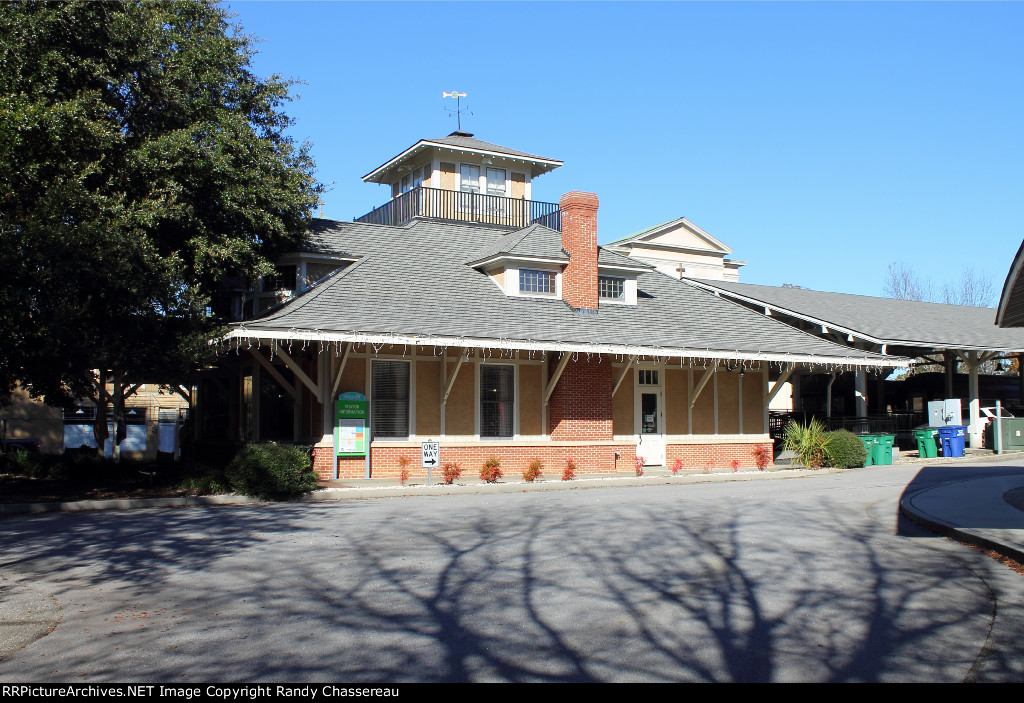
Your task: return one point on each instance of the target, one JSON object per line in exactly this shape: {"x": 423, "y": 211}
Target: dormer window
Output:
{"x": 535, "y": 282}
{"x": 283, "y": 278}
{"x": 611, "y": 288}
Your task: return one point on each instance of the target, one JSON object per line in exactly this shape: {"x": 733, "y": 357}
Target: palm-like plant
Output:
{"x": 808, "y": 442}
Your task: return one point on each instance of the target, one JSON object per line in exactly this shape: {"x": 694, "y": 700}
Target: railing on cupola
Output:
{"x": 459, "y": 206}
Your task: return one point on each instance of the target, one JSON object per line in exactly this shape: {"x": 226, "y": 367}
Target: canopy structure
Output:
{"x": 933, "y": 333}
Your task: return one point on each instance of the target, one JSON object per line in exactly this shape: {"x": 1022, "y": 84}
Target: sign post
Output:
{"x": 431, "y": 453}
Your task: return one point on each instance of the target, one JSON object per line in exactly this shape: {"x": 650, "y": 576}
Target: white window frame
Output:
{"x": 553, "y": 293}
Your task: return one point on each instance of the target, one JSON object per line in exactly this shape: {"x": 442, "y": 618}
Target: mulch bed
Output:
{"x": 23, "y": 489}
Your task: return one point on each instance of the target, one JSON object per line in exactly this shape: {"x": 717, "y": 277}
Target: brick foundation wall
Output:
{"x": 589, "y": 460}
{"x": 581, "y": 406}
{"x": 594, "y": 459}
{"x": 715, "y": 456}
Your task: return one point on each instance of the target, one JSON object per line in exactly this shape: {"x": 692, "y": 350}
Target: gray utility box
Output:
{"x": 944, "y": 412}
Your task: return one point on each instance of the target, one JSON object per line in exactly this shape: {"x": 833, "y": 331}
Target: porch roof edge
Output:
{"x": 241, "y": 334}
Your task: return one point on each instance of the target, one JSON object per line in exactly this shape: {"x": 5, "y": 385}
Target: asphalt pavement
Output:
{"x": 986, "y": 509}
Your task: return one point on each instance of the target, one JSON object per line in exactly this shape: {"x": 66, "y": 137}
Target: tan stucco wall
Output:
{"x": 33, "y": 419}
{"x": 753, "y": 404}
{"x": 518, "y": 185}
{"x": 728, "y": 402}
{"x": 461, "y": 408}
{"x": 447, "y": 175}
{"x": 354, "y": 377}
{"x": 675, "y": 401}
{"x": 622, "y": 404}
{"x": 428, "y": 394}
{"x": 530, "y": 394}
{"x": 704, "y": 409}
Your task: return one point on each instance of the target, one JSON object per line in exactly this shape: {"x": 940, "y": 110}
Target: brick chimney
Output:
{"x": 579, "y": 240}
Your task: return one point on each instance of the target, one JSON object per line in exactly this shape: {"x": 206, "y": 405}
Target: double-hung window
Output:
{"x": 389, "y": 399}
{"x": 496, "y": 181}
{"x": 469, "y": 182}
{"x": 497, "y": 400}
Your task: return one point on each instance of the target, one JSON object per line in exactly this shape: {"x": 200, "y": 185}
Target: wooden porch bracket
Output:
{"x": 622, "y": 376}
{"x": 703, "y": 382}
{"x": 297, "y": 370}
{"x": 557, "y": 375}
{"x": 341, "y": 369}
{"x": 274, "y": 373}
{"x": 774, "y": 390}
{"x": 463, "y": 358}
{"x": 132, "y": 391}
{"x": 183, "y": 392}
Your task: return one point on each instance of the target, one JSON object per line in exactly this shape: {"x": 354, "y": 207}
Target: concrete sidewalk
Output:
{"x": 987, "y": 512}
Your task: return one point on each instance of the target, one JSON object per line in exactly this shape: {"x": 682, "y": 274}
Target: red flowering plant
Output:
{"x": 491, "y": 470}
{"x": 638, "y": 464}
{"x": 762, "y": 456}
{"x": 451, "y": 472}
{"x": 569, "y": 472}
{"x": 533, "y": 471}
{"x": 403, "y": 469}
{"x": 677, "y": 466}
{"x": 735, "y": 463}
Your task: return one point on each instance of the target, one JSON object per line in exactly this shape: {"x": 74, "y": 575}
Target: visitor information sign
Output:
{"x": 351, "y": 431}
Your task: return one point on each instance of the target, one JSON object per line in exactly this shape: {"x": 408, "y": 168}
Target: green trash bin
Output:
{"x": 926, "y": 447}
{"x": 881, "y": 450}
{"x": 869, "y": 441}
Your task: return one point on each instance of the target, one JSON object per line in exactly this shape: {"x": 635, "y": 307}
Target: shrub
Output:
{"x": 638, "y": 464}
{"x": 271, "y": 471}
{"x": 677, "y": 466}
{"x": 403, "y": 468}
{"x": 735, "y": 464}
{"x": 534, "y": 470}
{"x": 491, "y": 470}
{"x": 845, "y": 450}
{"x": 808, "y": 442}
{"x": 451, "y": 472}
{"x": 762, "y": 455}
{"x": 20, "y": 461}
{"x": 569, "y": 472}
{"x": 206, "y": 481}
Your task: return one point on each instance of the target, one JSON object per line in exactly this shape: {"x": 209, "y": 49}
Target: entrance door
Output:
{"x": 648, "y": 402}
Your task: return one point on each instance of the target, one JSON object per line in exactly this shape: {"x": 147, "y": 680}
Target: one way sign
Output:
{"x": 431, "y": 454}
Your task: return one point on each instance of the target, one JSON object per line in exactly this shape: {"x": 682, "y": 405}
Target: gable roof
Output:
{"x": 884, "y": 320}
{"x": 412, "y": 286}
{"x": 647, "y": 236}
{"x": 464, "y": 141}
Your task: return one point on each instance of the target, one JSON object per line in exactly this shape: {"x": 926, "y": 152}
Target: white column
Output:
{"x": 974, "y": 428}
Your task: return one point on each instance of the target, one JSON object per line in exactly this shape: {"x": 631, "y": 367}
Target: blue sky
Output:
{"x": 821, "y": 141}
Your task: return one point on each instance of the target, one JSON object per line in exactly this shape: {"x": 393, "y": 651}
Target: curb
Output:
{"x": 124, "y": 504}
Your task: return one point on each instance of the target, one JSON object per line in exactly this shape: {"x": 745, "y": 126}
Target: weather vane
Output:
{"x": 458, "y": 106}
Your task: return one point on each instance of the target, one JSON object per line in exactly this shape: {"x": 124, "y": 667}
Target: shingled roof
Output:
{"x": 540, "y": 242}
{"x": 885, "y": 320}
{"x": 412, "y": 284}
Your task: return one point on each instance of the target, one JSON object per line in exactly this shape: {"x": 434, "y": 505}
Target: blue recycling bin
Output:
{"x": 951, "y": 437}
